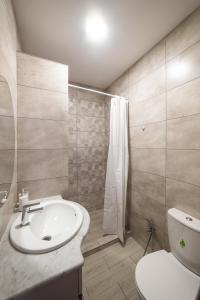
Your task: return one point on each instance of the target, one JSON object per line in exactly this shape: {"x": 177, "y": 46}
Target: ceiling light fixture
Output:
{"x": 96, "y": 28}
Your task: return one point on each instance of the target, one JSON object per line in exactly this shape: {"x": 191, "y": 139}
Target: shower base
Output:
{"x": 95, "y": 239}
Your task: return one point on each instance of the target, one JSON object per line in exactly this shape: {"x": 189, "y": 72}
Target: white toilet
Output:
{"x": 175, "y": 275}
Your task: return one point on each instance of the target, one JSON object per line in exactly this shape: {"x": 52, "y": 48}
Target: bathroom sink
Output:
{"x": 50, "y": 228}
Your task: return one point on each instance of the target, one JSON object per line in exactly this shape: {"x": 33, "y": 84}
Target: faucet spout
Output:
{"x": 27, "y": 210}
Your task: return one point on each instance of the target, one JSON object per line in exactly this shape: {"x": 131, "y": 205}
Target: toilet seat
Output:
{"x": 160, "y": 276}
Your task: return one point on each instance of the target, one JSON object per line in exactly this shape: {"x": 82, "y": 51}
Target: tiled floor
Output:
{"x": 109, "y": 273}
{"x": 95, "y": 238}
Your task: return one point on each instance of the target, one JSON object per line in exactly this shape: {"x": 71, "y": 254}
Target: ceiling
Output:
{"x": 54, "y": 29}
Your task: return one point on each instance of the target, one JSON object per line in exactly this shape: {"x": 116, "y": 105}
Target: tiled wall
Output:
{"x": 8, "y": 45}
{"x": 87, "y": 159}
{"x": 42, "y": 126}
{"x": 164, "y": 130}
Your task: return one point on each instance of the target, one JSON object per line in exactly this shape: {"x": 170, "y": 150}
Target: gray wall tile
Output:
{"x": 184, "y": 133}
{"x": 41, "y": 104}
{"x": 150, "y": 135}
{"x": 184, "y": 68}
{"x": 184, "y": 165}
{"x": 42, "y": 164}
{"x": 183, "y": 36}
{"x": 41, "y": 73}
{"x": 41, "y": 134}
{"x": 184, "y": 100}
{"x": 148, "y": 111}
{"x": 151, "y": 86}
{"x": 149, "y": 160}
{"x": 45, "y": 187}
{"x": 183, "y": 196}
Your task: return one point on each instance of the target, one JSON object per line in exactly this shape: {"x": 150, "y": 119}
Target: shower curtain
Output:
{"x": 117, "y": 170}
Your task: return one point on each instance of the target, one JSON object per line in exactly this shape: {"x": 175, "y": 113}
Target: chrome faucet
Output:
{"x": 26, "y": 210}
{"x": 5, "y": 197}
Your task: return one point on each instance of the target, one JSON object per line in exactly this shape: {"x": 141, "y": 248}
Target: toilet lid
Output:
{"x": 160, "y": 275}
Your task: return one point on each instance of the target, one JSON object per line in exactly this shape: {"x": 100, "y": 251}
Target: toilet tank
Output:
{"x": 184, "y": 238}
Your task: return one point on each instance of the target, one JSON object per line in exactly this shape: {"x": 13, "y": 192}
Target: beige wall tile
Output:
{"x": 148, "y": 111}
{"x": 150, "y": 135}
{"x": 149, "y": 160}
{"x": 42, "y": 104}
{"x": 42, "y": 164}
{"x": 140, "y": 233}
{"x": 184, "y": 165}
{"x": 6, "y": 105}
{"x": 45, "y": 188}
{"x": 41, "y": 134}
{"x": 151, "y": 86}
{"x": 183, "y": 36}
{"x": 184, "y": 100}
{"x": 120, "y": 86}
{"x": 148, "y": 63}
{"x": 184, "y": 133}
{"x": 37, "y": 72}
{"x": 183, "y": 196}
{"x": 7, "y": 133}
{"x": 184, "y": 67}
{"x": 148, "y": 196}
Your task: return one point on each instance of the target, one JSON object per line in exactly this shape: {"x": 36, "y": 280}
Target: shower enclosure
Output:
{"x": 89, "y": 118}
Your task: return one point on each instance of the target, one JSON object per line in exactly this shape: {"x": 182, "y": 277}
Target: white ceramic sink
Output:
{"x": 50, "y": 228}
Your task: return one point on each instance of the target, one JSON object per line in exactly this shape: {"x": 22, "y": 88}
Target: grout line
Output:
{"x": 43, "y": 119}
{"x": 42, "y": 179}
{"x": 166, "y": 139}
{"x": 44, "y": 89}
{"x": 121, "y": 290}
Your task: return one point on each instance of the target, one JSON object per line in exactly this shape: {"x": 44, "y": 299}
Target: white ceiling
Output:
{"x": 54, "y": 29}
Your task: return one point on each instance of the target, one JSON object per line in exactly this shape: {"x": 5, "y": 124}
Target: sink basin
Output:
{"x": 48, "y": 229}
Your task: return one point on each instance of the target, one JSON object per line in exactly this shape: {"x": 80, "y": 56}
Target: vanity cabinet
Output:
{"x": 65, "y": 287}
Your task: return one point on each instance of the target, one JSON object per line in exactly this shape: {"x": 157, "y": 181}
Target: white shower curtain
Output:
{"x": 117, "y": 170}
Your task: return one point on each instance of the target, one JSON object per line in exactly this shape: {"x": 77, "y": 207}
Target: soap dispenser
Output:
{"x": 23, "y": 199}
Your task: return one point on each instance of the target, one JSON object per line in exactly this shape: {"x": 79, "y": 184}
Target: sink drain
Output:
{"x": 46, "y": 238}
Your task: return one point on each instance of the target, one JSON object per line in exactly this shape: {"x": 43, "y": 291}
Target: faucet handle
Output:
{"x": 30, "y": 205}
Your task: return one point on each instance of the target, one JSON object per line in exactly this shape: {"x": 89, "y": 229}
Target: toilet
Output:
{"x": 175, "y": 275}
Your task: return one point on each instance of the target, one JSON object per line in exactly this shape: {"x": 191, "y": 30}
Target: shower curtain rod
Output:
{"x": 95, "y": 91}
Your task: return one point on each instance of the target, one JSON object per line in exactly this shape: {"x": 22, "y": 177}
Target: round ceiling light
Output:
{"x": 96, "y": 28}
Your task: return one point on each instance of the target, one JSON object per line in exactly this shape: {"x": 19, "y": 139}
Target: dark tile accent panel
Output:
{"x": 90, "y": 108}
{"x": 91, "y": 154}
{"x": 91, "y": 139}
{"x": 88, "y": 151}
